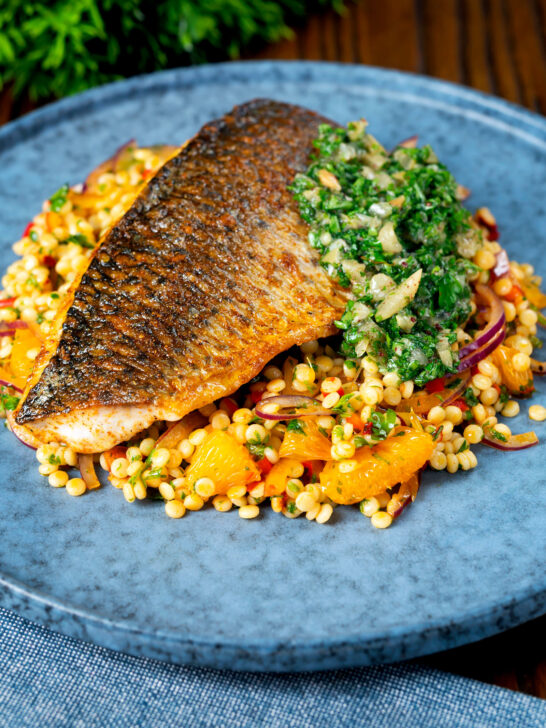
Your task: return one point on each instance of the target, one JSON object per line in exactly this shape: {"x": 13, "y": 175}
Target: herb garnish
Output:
{"x": 77, "y": 239}
{"x": 58, "y": 200}
{"x": 378, "y": 218}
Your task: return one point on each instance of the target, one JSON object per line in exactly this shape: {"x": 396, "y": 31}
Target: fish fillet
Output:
{"x": 206, "y": 278}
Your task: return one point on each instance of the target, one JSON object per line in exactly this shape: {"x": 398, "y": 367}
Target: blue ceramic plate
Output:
{"x": 466, "y": 561}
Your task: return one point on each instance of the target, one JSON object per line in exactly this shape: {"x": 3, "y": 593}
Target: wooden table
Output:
{"x": 498, "y": 46}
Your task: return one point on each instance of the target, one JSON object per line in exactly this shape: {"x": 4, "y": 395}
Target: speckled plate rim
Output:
{"x": 356, "y": 649}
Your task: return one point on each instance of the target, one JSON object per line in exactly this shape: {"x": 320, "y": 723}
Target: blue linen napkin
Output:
{"x": 49, "y": 680}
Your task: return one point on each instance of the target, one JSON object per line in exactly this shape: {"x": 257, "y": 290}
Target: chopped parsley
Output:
{"x": 58, "y": 200}
{"x": 8, "y": 401}
{"x": 256, "y": 448}
{"x": 382, "y": 423}
{"x": 78, "y": 239}
{"x": 33, "y": 235}
{"x": 498, "y": 435}
{"x": 344, "y": 405}
{"x": 376, "y": 219}
{"x": 470, "y": 398}
{"x": 296, "y": 426}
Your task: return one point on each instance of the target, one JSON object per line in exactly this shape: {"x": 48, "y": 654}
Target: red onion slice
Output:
{"x": 294, "y": 401}
{"x": 5, "y": 383}
{"x": 538, "y": 367}
{"x": 8, "y": 329}
{"x": 476, "y": 356}
{"x": 502, "y": 266}
{"x": 515, "y": 442}
{"x": 497, "y": 320}
{"x": 87, "y": 470}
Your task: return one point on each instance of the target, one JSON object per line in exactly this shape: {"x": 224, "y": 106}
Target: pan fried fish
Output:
{"x": 205, "y": 279}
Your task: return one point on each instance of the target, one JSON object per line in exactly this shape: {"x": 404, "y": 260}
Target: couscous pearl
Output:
{"x": 220, "y": 421}
{"x": 222, "y": 503}
{"x": 175, "y": 509}
{"x": 503, "y": 430}
{"x": 166, "y": 490}
{"x": 128, "y": 492}
{"x": 521, "y": 362}
{"x": 473, "y": 434}
{"x": 479, "y": 413}
{"x": 242, "y": 416}
{"x": 438, "y": 460}
{"x": 528, "y": 317}
{"x": 330, "y": 400}
{"x": 236, "y": 491}
{"x": 330, "y": 384}
{"x": 485, "y": 259}
{"x": 160, "y": 457}
{"x": 537, "y": 412}
{"x": 324, "y": 363}
{"x": 406, "y": 389}
{"x": 392, "y": 396}
{"x": 452, "y": 463}
{"x": 510, "y": 409}
{"x": 369, "y": 506}
{"x": 509, "y": 310}
{"x": 381, "y": 519}
{"x": 436, "y": 415}
{"x": 76, "y": 486}
{"x": 502, "y": 286}
{"x": 204, "y": 487}
{"x": 146, "y": 446}
{"x": 58, "y": 479}
{"x": 313, "y": 512}
{"x": 276, "y": 503}
{"x": 481, "y": 382}
{"x": 454, "y": 414}
{"x": 119, "y": 467}
{"x": 272, "y": 372}
{"x": 193, "y": 502}
{"x": 276, "y": 385}
{"x": 255, "y": 432}
{"x": 132, "y": 454}
{"x": 197, "y": 437}
{"x": 310, "y": 347}
{"x": 487, "y": 368}
{"x": 391, "y": 379}
{"x": 304, "y": 374}
{"x": 489, "y": 396}
{"x": 248, "y": 512}
{"x": 325, "y": 513}
{"x": 370, "y": 395}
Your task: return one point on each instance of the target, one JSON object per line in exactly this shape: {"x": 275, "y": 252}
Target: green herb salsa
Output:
{"x": 390, "y": 227}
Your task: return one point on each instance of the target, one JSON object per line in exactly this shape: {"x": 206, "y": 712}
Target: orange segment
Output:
{"x": 306, "y": 443}
{"x": 21, "y": 366}
{"x": 534, "y": 295}
{"x": 391, "y": 461}
{"x": 275, "y": 483}
{"x": 517, "y": 382}
{"x": 224, "y": 460}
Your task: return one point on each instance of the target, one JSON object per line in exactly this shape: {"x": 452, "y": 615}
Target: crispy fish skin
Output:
{"x": 206, "y": 278}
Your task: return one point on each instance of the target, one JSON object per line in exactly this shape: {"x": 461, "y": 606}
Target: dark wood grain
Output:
{"x": 497, "y": 46}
